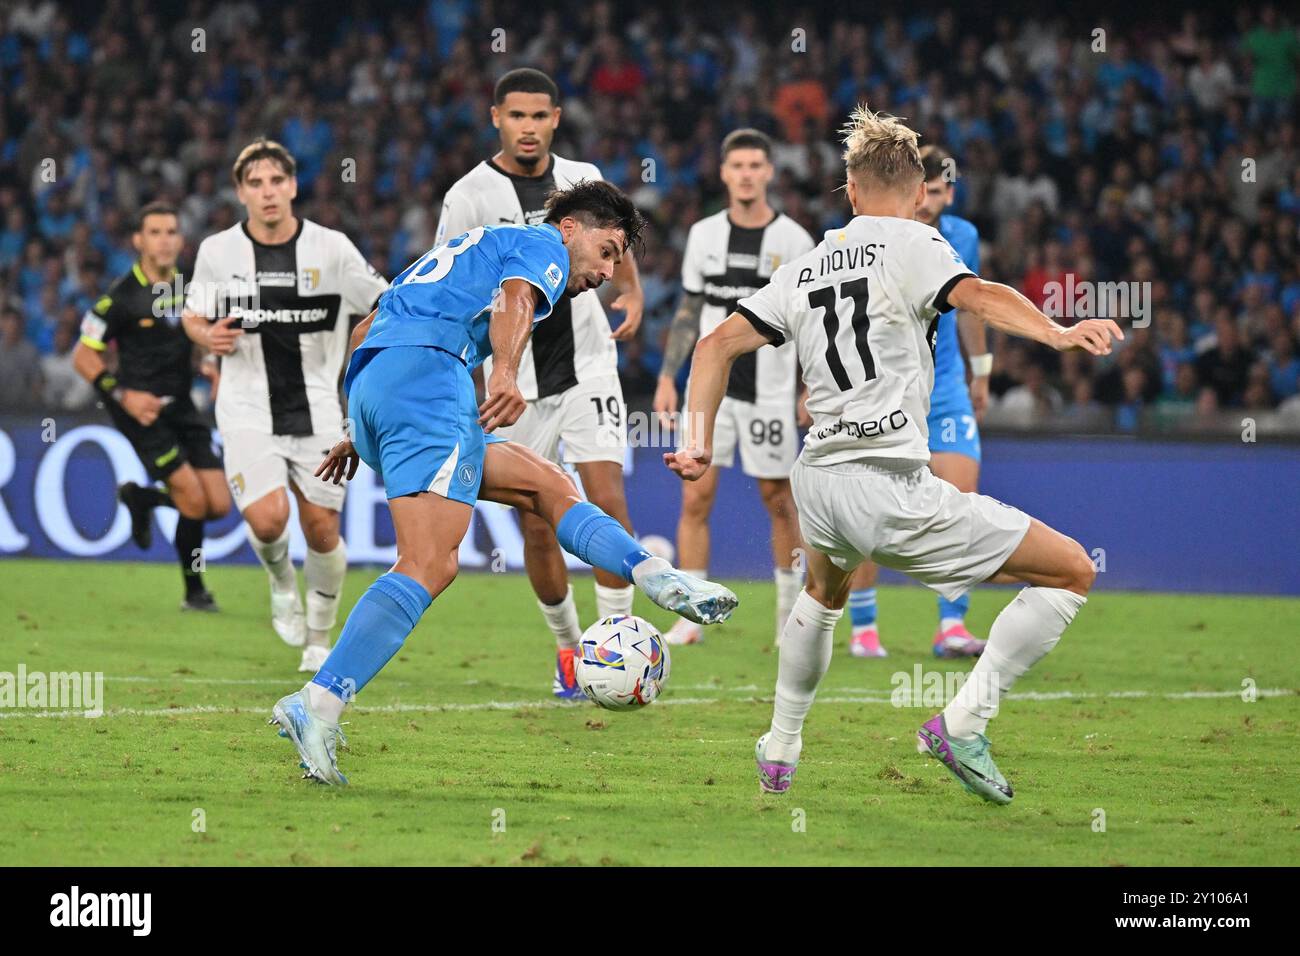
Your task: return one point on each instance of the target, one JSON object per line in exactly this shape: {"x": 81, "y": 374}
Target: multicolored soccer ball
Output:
{"x": 622, "y": 662}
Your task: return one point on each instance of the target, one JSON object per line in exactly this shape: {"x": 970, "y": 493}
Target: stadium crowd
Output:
{"x": 1159, "y": 153}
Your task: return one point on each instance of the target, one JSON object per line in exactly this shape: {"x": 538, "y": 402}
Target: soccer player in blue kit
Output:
{"x": 416, "y": 422}
{"x": 953, "y": 420}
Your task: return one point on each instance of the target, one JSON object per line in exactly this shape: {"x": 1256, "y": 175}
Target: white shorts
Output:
{"x": 902, "y": 517}
{"x": 590, "y": 418}
{"x": 766, "y": 434}
{"x": 257, "y": 464}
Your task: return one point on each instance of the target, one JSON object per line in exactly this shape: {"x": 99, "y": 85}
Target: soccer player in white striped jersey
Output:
{"x": 730, "y": 255}
{"x": 273, "y": 295}
{"x": 862, "y": 310}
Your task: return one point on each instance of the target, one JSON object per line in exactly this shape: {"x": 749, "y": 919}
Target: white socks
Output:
{"x": 323, "y": 573}
{"x": 651, "y": 565}
{"x": 789, "y": 583}
{"x": 611, "y": 601}
{"x": 1023, "y": 633}
{"x": 274, "y": 556}
{"x": 806, "y": 646}
{"x": 562, "y": 619}
{"x": 324, "y": 704}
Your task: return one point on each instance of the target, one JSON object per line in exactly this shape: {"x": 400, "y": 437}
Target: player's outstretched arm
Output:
{"x": 710, "y": 369}
{"x": 508, "y": 329}
{"x": 1004, "y": 308}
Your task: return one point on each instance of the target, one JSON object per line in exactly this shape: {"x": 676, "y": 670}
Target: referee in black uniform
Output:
{"x": 148, "y": 397}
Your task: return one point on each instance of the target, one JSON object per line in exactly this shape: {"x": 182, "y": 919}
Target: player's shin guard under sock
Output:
{"x": 805, "y": 654}
{"x": 862, "y": 607}
{"x": 189, "y": 551}
{"x": 373, "y": 633}
{"x": 323, "y": 573}
{"x": 562, "y": 619}
{"x": 274, "y": 556}
{"x": 614, "y": 601}
{"x": 789, "y": 583}
{"x": 599, "y": 540}
{"x": 1023, "y": 632}
{"x": 952, "y": 612}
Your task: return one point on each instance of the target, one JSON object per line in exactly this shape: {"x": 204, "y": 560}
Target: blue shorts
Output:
{"x": 953, "y": 428}
{"x": 415, "y": 421}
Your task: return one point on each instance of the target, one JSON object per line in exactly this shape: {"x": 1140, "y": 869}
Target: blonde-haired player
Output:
{"x": 862, "y": 309}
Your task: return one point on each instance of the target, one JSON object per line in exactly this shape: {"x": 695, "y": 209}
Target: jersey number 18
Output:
{"x": 436, "y": 263}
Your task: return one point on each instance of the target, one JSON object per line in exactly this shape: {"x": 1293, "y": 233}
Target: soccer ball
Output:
{"x": 622, "y": 662}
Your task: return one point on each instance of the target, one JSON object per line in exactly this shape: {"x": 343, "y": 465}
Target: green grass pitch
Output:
{"x": 1129, "y": 745}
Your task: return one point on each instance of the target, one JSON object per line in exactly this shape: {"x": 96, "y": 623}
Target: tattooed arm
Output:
{"x": 681, "y": 342}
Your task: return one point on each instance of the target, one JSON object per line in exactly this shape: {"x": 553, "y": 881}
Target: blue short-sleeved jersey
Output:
{"x": 949, "y": 369}
{"x": 951, "y": 422}
{"x": 410, "y": 395}
{"x": 444, "y": 298}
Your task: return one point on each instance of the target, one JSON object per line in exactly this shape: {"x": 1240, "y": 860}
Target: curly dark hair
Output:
{"x": 594, "y": 202}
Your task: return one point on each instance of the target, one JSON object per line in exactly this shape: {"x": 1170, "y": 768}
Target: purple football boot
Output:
{"x": 968, "y": 760}
{"x": 773, "y": 775}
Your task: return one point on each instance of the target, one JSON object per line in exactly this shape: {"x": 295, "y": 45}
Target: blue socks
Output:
{"x": 599, "y": 540}
{"x": 373, "y": 633}
{"x": 862, "y": 607}
{"x": 954, "y": 609}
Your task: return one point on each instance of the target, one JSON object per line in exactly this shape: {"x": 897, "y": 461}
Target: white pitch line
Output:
{"x": 667, "y": 701}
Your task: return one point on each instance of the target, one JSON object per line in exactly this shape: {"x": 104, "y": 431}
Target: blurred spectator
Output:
{"x": 65, "y": 390}
{"x": 1077, "y": 167}
{"x": 20, "y": 365}
{"x": 1224, "y": 368}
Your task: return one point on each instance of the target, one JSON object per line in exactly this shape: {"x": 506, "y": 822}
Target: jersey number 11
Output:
{"x": 857, "y": 291}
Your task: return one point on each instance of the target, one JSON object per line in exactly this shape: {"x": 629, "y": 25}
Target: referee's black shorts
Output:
{"x": 177, "y": 436}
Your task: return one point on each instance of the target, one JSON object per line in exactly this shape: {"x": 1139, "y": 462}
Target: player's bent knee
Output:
{"x": 267, "y": 526}
{"x": 322, "y": 534}
{"x": 1084, "y": 572}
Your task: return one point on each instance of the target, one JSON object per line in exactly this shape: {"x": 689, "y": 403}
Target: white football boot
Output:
{"x": 693, "y": 598}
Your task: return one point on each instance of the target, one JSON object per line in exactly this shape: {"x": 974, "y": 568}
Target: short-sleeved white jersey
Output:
{"x": 862, "y": 309}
